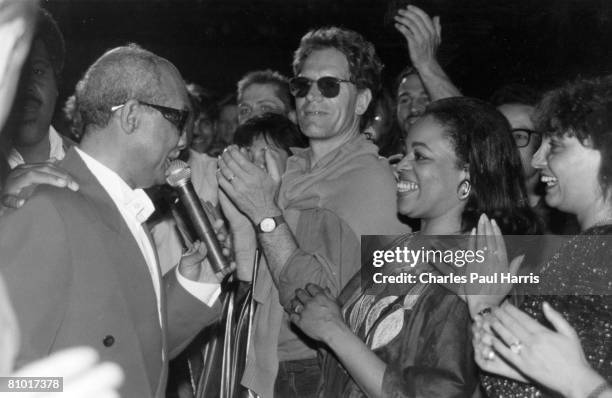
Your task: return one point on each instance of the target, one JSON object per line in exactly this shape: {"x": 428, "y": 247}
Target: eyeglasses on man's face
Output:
{"x": 522, "y": 136}
{"x": 178, "y": 117}
{"x": 328, "y": 86}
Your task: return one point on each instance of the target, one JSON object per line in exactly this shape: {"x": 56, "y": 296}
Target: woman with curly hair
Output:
{"x": 575, "y": 160}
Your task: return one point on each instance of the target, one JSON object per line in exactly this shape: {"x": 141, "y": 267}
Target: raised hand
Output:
{"x": 252, "y": 189}
{"x": 422, "y": 34}
{"x": 488, "y": 238}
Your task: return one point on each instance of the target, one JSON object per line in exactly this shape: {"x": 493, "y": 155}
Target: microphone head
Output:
{"x": 178, "y": 173}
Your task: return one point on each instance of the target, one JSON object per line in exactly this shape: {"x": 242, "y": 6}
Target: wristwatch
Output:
{"x": 269, "y": 224}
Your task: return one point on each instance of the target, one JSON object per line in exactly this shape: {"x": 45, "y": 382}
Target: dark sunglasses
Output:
{"x": 178, "y": 117}
{"x": 522, "y": 136}
{"x": 329, "y": 86}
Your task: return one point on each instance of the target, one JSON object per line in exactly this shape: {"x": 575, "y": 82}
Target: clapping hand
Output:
{"x": 252, "y": 188}
{"x": 484, "y": 352}
{"x": 553, "y": 358}
{"x": 488, "y": 238}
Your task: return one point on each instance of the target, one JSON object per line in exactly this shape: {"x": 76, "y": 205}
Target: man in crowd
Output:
{"x": 35, "y": 144}
{"x": 425, "y": 80}
{"x": 80, "y": 267}
{"x": 331, "y": 193}
{"x": 34, "y": 139}
{"x": 205, "y": 113}
{"x": 226, "y": 123}
{"x": 517, "y": 103}
{"x": 264, "y": 91}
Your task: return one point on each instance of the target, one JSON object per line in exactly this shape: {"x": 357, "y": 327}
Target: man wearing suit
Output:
{"x": 79, "y": 266}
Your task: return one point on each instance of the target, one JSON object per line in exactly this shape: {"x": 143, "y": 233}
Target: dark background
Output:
{"x": 213, "y": 42}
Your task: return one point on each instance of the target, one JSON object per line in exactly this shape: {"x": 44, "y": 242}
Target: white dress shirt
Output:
{"x": 135, "y": 207}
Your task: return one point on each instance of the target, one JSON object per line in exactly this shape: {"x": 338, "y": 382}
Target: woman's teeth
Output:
{"x": 407, "y": 186}
{"x": 548, "y": 180}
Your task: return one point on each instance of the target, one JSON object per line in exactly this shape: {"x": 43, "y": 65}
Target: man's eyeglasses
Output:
{"x": 523, "y": 136}
{"x": 177, "y": 117}
{"x": 329, "y": 86}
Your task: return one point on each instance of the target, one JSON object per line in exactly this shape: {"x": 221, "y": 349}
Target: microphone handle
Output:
{"x": 203, "y": 228}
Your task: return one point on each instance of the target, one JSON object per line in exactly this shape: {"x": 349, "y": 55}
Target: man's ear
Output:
{"x": 130, "y": 116}
{"x": 364, "y": 97}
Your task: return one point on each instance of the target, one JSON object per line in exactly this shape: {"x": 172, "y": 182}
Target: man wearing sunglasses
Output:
{"x": 331, "y": 193}
{"x": 80, "y": 266}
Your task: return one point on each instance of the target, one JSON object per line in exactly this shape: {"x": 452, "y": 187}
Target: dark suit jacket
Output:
{"x": 76, "y": 276}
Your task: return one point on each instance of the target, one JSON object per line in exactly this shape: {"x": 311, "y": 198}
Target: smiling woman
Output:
{"x": 576, "y": 166}
{"x": 413, "y": 339}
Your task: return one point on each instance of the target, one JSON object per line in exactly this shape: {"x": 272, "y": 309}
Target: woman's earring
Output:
{"x": 463, "y": 190}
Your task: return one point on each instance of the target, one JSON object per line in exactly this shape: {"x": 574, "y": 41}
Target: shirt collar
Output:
{"x": 56, "y": 149}
{"x": 135, "y": 201}
{"x": 303, "y": 155}
{"x": 57, "y": 145}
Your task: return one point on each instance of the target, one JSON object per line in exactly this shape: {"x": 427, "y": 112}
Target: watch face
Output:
{"x": 267, "y": 225}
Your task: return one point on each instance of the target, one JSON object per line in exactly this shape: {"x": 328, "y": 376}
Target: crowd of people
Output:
{"x": 103, "y": 283}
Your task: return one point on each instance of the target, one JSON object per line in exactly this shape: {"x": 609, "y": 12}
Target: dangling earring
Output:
{"x": 463, "y": 190}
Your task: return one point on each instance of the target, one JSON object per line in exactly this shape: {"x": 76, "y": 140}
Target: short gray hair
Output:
{"x": 121, "y": 74}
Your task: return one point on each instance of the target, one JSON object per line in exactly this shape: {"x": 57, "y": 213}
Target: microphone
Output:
{"x": 178, "y": 176}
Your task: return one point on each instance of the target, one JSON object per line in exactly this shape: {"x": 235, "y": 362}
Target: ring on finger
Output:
{"x": 298, "y": 308}
{"x": 516, "y": 347}
{"x": 230, "y": 178}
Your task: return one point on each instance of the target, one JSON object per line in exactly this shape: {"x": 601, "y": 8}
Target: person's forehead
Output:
{"x": 38, "y": 52}
{"x": 228, "y": 112}
{"x": 326, "y": 62}
{"x": 259, "y": 92}
{"x": 259, "y": 141}
{"x": 424, "y": 129}
{"x": 411, "y": 85}
{"x": 430, "y": 132}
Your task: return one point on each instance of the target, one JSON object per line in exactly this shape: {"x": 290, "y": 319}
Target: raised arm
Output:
{"x": 423, "y": 36}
